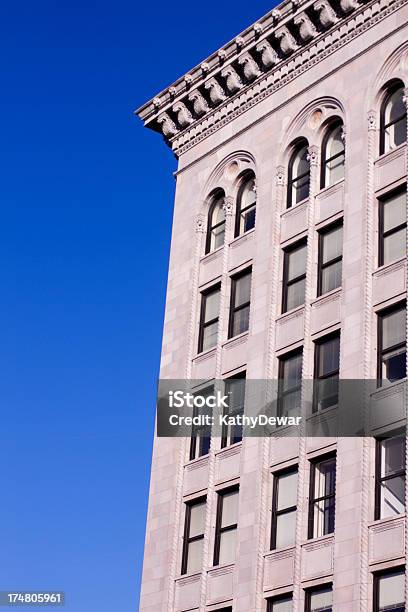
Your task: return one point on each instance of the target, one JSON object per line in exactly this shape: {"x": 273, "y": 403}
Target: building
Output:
{"x": 288, "y": 260}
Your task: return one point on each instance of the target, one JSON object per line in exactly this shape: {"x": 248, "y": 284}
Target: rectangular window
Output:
{"x": 326, "y": 375}
{"x": 283, "y": 603}
{"x": 322, "y": 497}
{"x": 389, "y": 591}
{"x": 319, "y": 599}
{"x": 393, "y": 224}
{"x": 226, "y": 527}
{"x": 210, "y": 312}
{"x": 235, "y": 389}
{"x": 201, "y": 434}
{"x": 330, "y": 259}
{"x": 390, "y": 477}
{"x": 294, "y": 277}
{"x": 193, "y": 536}
{"x": 240, "y": 303}
{"x": 392, "y": 344}
{"x": 290, "y": 383}
{"x": 284, "y": 504}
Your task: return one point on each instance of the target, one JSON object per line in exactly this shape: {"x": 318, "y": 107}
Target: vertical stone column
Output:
{"x": 307, "y": 374}
{"x": 406, "y": 373}
{"x": 367, "y": 358}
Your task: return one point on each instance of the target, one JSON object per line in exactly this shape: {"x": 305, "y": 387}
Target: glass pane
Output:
{"x": 248, "y": 195}
{"x": 393, "y": 328}
{"x": 331, "y": 277}
{"x": 210, "y": 335}
{"x": 300, "y": 163}
{"x": 204, "y": 442}
{"x": 394, "y": 246}
{"x": 218, "y": 213}
{"x": 393, "y": 496}
{"x": 227, "y": 547}
{"x": 212, "y": 305}
{"x": 229, "y": 509}
{"x": 296, "y": 262}
{"x": 217, "y": 237}
{"x": 329, "y": 356}
{"x": 335, "y": 142}
{"x": 235, "y": 389}
{"x": 241, "y": 321}
{"x": 321, "y": 599}
{"x": 391, "y": 590}
{"x": 332, "y": 243}
{"x": 395, "y": 114}
{"x": 285, "y": 529}
{"x": 291, "y": 371}
{"x": 300, "y": 189}
{"x": 195, "y": 556}
{"x": 283, "y": 604}
{"x": 394, "y": 210}
{"x": 197, "y": 519}
{"x": 295, "y": 295}
{"x": 323, "y": 517}
{"x": 242, "y": 289}
{"x": 392, "y": 455}
{"x": 289, "y": 403}
{"x": 335, "y": 170}
{"x": 394, "y": 365}
{"x": 326, "y": 393}
{"x": 234, "y": 434}
{"x": 325, "y": 477}
{"x": 248, "y": 220}
{"x": 287, "y": 490}
{"x": 396, "y": 133}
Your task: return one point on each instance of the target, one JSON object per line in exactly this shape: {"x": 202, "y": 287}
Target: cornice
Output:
{"x": 267, "y": 56}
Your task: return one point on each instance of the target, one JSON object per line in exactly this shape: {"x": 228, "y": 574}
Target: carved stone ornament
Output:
{"x": 295, "y": 4}
{"x": 348, "y": 5}
{"x": 232, "y": 79}
{"x": 168, "y": 126}
{"x": 188, "y": 79}
{"x": 205, "y": 67}
{"x": 184, "y": 116}
{"x": 228, "y": 205}
{"x": 372, "y": 120}
{"x": 280, "y": 175}
{"x": 240, "y": 42}
{"x": 276, "y": 15}
{"x": 327, "y": 14}
{"x": 286, "y": 40}
{"x": 258, "y": 29}
{"x": 200, "y": 223}
{"x": 307, "y": 30}
{"x": 343, "y": 135}
{"x": 251, "y": 68}
{"x": 217, "y": 94}
{"x": 156, "y": 102}
{"x": 313, "y": 155}
{"x": 222, "y": 54}
{"x": 405, "y": 97}
{"x": 269, "y": 56}
{"x": 172, "y": 91}
{"x": 200, "y": 104}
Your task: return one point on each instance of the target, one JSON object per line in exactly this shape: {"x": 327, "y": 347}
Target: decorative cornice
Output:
{"x": 263, "y": 59}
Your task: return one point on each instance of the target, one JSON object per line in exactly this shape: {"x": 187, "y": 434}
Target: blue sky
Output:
{"x": 86, "y": 196}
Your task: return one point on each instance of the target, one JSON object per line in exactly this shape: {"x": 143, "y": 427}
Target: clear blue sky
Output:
{"x": 86, "y": 196}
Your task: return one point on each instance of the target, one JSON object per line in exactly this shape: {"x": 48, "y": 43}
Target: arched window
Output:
{"x": 216, "y": 224}
{"x": 246, "y": 206}
{"x": 333, "y": 155}
{"x": 299, "y": 175}
{"x": 393, "y": 119}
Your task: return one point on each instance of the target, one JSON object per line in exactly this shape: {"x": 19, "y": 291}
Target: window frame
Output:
{"x": 293, "y": 469}
{"x": 250, "y": 176}
{"x": 325, "y": 160}
{"x": 218, "y": 529}
{"x": 383, "y": 126}
{"x": 278, "y": 599}
{"x": 309, "y": 592}
{"x": 312, "y": 500}
{"x": 380, "y": 479}
{"x": 316, "y": 365}
{"x": 285, "y": 282}
{"x": 202, "y": 325}
{"x": 376, "y": 583}
{"x": 186, "y": 539}
{"x": 197, "y": 438}
{"x": 210, "y": 226}
{"x": 281, "y": 364}
{"x": 380, "y": 351}
{"x": 322, "y": 266}
{"x": 381, "y": 233}
{"x": 289, "y": 196}
{"x": 234, "y": 309}
{"x": 224, "y": 430}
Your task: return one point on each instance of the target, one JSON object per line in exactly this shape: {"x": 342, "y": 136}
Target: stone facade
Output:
{"x": 244, "y": 108}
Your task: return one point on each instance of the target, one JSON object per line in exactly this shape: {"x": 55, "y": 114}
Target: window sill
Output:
{"x": 387, "y": 386}
{"x": 388, "y": 267}
{"x": 223, "y": 567}
{"x": 290, "y": 312}
{"x": 205, "y": 354}
{"x": 385, "y": 157}
{"x": 287, "y": 211}
{"x": 326, "y": 296}
{"x": 388, "y": 519}
{"x": 324, "y": 538}
{"x": 194, "y": 576}
{"x": 235, "y": 338}
{"x": 211, "y": 255}
{"x": 203, "y": 459}
{"x": 324, "y": 191}
{"x": 242, "y": 238}
{"x": 232, "y": 447}
{"x": 276, "y": 551}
